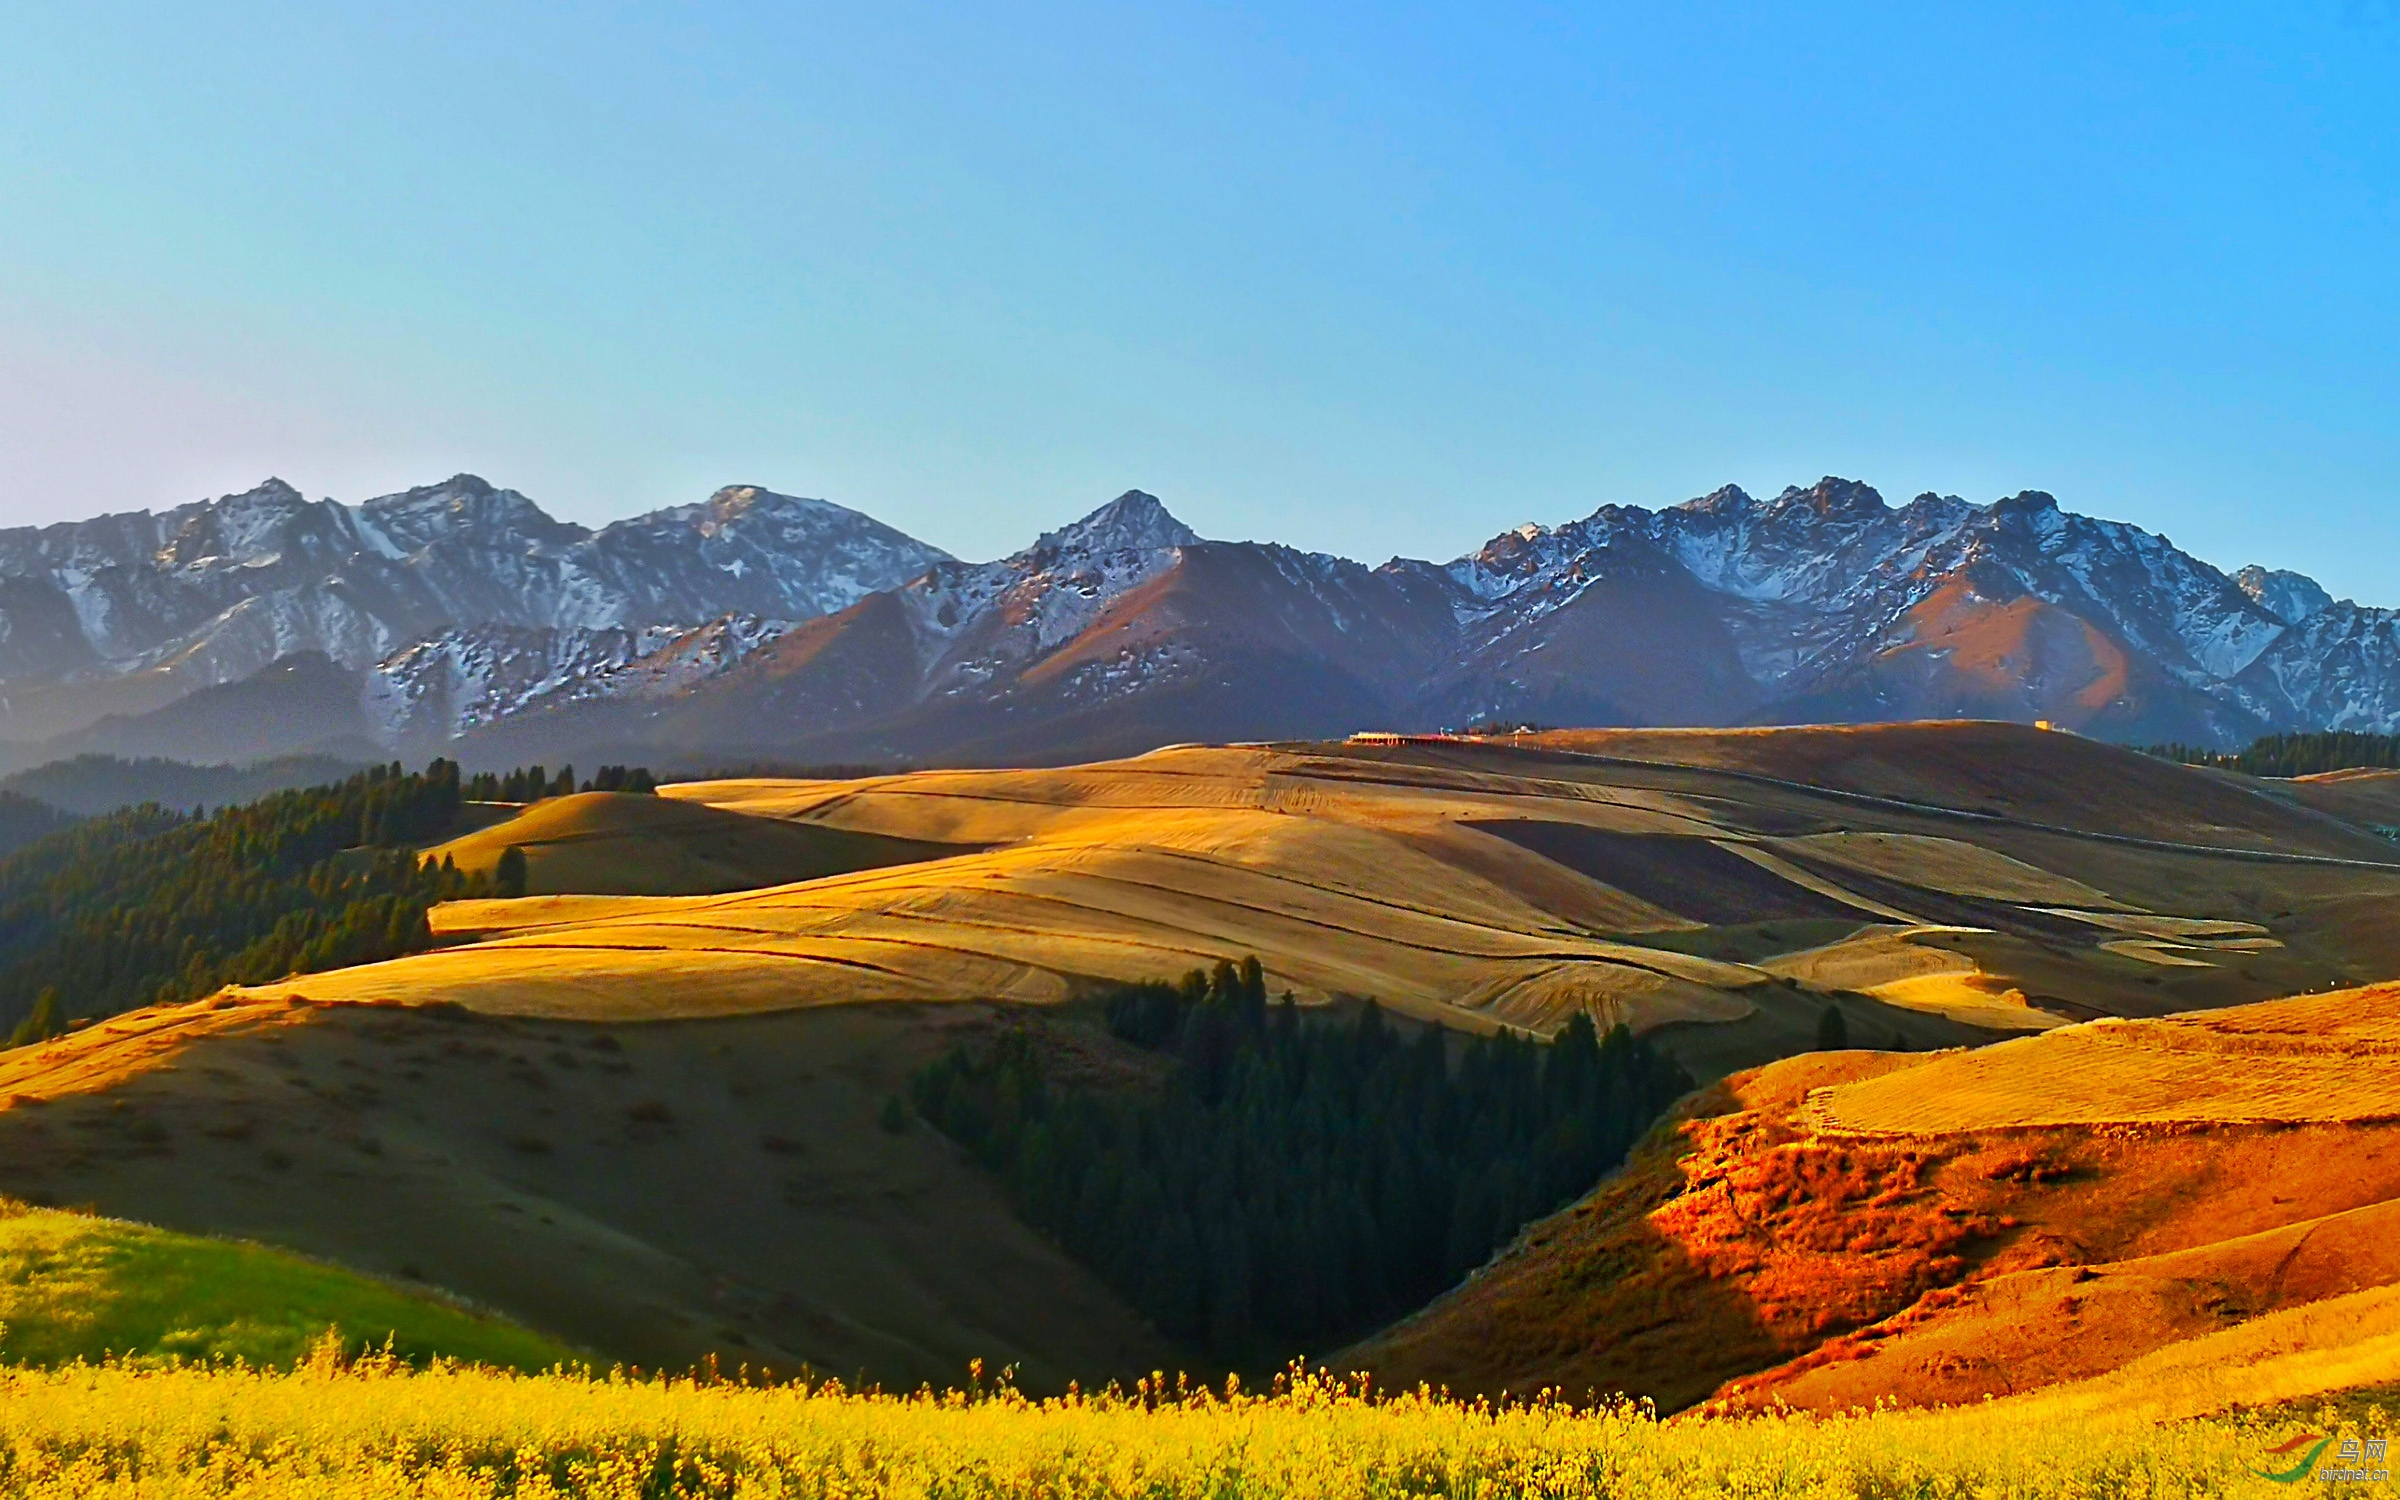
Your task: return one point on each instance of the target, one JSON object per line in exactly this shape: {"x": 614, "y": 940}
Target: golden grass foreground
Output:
{"x": 375, "y": 1429}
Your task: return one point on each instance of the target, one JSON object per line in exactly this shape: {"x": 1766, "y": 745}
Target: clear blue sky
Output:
{"x": 1364, "y": 279}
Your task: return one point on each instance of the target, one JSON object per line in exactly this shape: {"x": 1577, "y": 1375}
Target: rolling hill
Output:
{"x": 655, "y": 1194}
{"x": 1494, "y": 883}
{"x": 2367, "y": 797}
{"x": 659, "y": 1126}
{"x": 621, "y": 844}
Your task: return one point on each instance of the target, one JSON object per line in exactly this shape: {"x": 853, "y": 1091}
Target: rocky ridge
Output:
{"x": 762, "y": 624}
{"x": 212, "y": 592}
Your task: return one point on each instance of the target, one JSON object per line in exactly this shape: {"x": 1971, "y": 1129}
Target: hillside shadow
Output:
{"x": 1732, "y": 1243}
{"x": 1594, "y": 1303}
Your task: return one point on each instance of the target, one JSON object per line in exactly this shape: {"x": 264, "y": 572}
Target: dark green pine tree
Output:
{"x": 509, "y": 873}
{"x": 1833, "y": 1029}
{"x": 40, "y": 1023}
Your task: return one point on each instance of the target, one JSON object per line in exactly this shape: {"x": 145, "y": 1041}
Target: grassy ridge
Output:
{"x": 380, "y": 1431}
{"x": 73, "y": 1287}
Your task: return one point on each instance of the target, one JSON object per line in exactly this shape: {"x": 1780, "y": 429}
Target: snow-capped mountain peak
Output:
{"x": 1834, "y": 498}
{"x": 1133, "y": 522}
{"x": 2288, "y": 596}
{"x": 214, "y": 591}
{"x": 1725, "y": 499}
{"x": 466, "y": 614}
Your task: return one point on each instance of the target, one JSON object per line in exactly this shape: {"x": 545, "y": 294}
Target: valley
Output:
{"x": 1594, "y": 752}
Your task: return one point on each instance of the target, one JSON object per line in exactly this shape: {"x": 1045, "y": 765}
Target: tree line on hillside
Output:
{"x": 2289, "y": 755}
{"x": 151, "y": 905}
{"x": 91, "y": 784}
{"x": 1295, "y": 1182}
{"x": 534, "y": 783}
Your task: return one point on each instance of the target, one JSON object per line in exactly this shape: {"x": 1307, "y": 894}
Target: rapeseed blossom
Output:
{"x": 333, "y": 1430}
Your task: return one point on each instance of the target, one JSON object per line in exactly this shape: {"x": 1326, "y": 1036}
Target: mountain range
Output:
{"x": 459, "y": 618}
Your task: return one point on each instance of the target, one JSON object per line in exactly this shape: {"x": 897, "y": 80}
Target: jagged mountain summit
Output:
{"x": 755, "y": 626}
{"x": 124, "y": 612}
{"x": 2288, "y": 596}
{"x": 1827, "y": 604}
{"x": 1822, "y": 603}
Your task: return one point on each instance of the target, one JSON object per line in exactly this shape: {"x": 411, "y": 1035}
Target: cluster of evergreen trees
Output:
{"x": 1296, "y": 1182}
{"x": 24, "y": 819}
{"x": 533, "y": 783}
{"x": 2295, "y": 754}
{"x": 91, "y": 784}
{"x": 149, "y": 905}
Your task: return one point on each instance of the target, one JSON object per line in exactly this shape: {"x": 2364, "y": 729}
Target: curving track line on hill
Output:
{"x": 1994, "y": 820}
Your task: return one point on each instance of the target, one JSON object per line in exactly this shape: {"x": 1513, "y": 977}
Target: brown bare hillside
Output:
{"x": 2369, "y": 798}
{"x": 2034, "y": 1232}
{"x": 2025, "y": 1330}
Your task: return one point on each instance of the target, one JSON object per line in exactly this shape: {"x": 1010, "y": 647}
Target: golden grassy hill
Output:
{"x": 617, "y": 843}
{"x": 1844, "y": 1228}
{"x": 2310, "y": 1059}
{"x": 1996, "y": 770}
{"x": 1478, "y": 884}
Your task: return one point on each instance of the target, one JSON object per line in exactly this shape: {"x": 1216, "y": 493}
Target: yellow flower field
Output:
{"x": 378, "y": 1430}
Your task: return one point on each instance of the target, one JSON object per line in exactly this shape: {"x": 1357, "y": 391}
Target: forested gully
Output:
{"x": 1294, "y": 1181}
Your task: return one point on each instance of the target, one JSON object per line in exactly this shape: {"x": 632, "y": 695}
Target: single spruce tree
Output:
{"x": 1833, "y": 1030}
{"x": 508, "y": 876}
{"x": 40, "y": 1023}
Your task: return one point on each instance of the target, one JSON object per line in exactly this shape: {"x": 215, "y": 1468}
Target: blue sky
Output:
{"x": 1364, "y": 279}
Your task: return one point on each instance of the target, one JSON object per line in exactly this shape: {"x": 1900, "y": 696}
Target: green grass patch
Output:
{"x": 78, "y": 1287}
